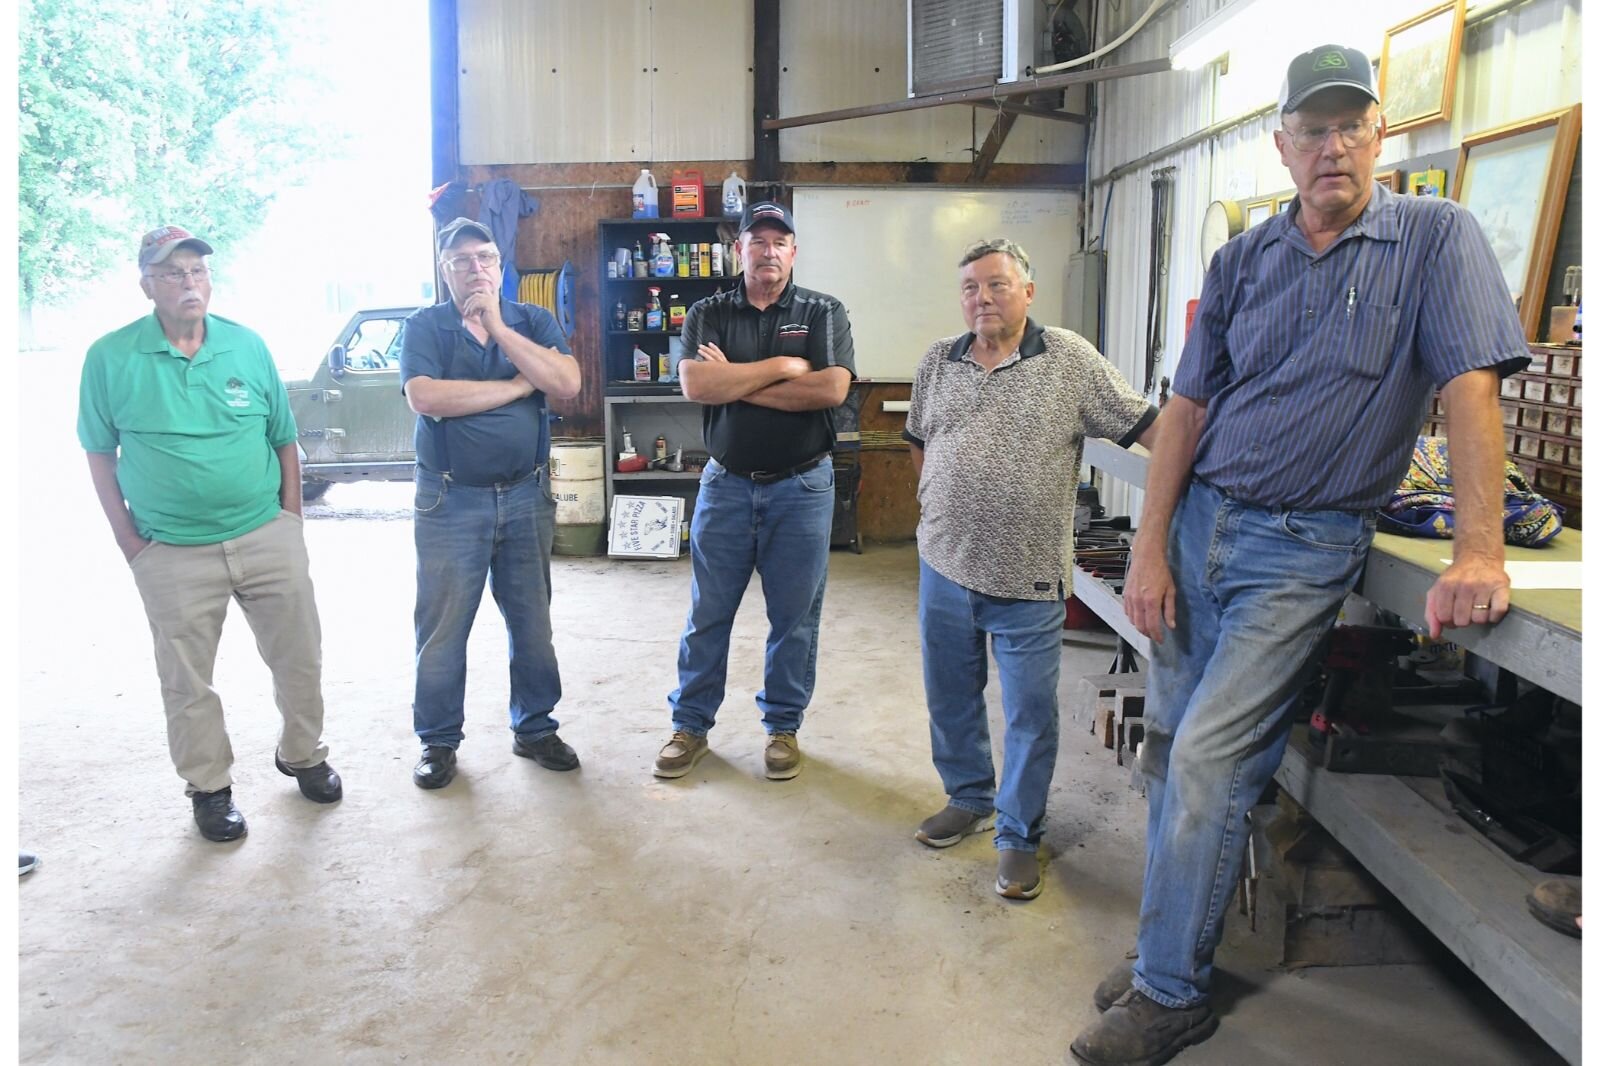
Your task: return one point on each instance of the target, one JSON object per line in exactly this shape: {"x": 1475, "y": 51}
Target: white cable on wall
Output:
{"x": 1149, "y": 13}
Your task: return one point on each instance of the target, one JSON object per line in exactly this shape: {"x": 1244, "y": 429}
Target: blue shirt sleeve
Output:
{"x": 542, "y": 329}
{"x": 1205, "y": 368}
{"x": 1467, "y": 319}
{"x": 421, "y": 353}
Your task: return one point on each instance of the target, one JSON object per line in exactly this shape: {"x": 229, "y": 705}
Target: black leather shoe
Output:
{"x": 436, "y": 768}
{"x": 549, "y": 751}
{"x": 319, "y": 783}
{"x": 216, "y": 815}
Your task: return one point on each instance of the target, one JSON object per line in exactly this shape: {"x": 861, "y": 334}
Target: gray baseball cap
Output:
{"x": 155, "y": 246}
{"x": 457, "y": 226}
{"x": 1325, "y": 67}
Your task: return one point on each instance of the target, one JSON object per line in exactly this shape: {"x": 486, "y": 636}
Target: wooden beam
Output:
{"x": 970, "y": 96}
{"x": 991, "y": 145}
{"x": 1033, "y": 112}
{"x": 766, "y": 63}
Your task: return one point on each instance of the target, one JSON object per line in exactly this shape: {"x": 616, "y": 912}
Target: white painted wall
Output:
{"x": 1521, "y": 62}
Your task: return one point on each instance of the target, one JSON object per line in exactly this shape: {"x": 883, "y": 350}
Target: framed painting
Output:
{"x": 1258, "y": 211}
{"x": 1391, "y": 180}
{"x": 1427, "y": 183}
{"x": 1282, "y": 201}
{"x": 1417, "y": 72}
{"x": 1514, "y": 181}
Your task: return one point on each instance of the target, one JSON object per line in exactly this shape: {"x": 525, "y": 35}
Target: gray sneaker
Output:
{"x": 1114, "y": 987}
{"x": 1018, "y": 876}
{"x": 1138, "y": 1031}
{"x": 680, "y": 754}
{"x": 950, "y": 825}
{"x": 782, "y": 756}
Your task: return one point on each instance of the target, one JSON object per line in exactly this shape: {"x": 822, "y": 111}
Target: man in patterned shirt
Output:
{"x": 1319, "y": 336}
{"x": 996, "y": 427}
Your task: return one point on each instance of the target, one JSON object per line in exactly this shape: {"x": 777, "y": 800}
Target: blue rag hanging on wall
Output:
{"x": 500, "y": 204}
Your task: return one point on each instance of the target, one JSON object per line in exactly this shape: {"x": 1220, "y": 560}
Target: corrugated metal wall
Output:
{"x": 565, "y": 81}
{"x": 1520, "y": 62}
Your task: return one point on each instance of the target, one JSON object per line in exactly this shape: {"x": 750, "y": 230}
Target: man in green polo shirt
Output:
{"x": 192, "y": 452}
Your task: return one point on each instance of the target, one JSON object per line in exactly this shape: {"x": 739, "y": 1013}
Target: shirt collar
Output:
{"x": 153, "y": 339}
{"x": 785, "y": 298}
{"x": 1032, "y": 343}
{"x": 1379, "y": 221}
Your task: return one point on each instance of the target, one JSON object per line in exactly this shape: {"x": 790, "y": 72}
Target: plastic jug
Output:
{"x": 733, "y": 195}
{"x": 644, "y": 196}
{"x": 688, "y": 194}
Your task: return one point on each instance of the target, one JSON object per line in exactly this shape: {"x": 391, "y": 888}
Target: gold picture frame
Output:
{"x": 1258, "y": 211}
{"x": 1392, "y": 180}
{"x": 1417, "y": 71}
{"x": 1513, "y": 179}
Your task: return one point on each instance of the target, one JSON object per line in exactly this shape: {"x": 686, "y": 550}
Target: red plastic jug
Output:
{"x": 688, "y": 194}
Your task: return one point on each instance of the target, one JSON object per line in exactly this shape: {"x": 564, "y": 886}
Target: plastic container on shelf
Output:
{"x": 733, "y": 200}
{"x": 645, "y": 204}
{"x": 688, "y": 194}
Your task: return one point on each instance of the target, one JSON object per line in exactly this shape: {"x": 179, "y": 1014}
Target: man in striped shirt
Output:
{"x": 1319, "y": 336}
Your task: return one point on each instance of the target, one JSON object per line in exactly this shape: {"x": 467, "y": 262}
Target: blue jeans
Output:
{"x": 1258, "y": 588}
{"x": 780, "y": 531}
{"x": 955, "y": 623}
{"x": 464, "y": 533}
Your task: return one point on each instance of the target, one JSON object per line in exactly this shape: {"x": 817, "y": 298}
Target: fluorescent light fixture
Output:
{"x": 1210, "y": 39}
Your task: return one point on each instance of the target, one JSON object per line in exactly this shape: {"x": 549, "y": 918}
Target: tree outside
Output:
{"x": 134, "y": 114}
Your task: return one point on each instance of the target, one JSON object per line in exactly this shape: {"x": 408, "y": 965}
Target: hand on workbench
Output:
{"x": 1471, "y": 591}
{"x": 1149, "y": 596}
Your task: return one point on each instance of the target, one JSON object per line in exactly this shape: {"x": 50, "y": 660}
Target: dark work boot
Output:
{"x": 436, "y": 768}
{"x": 216, "y": 815}
{"x": 1138, "y": 1031}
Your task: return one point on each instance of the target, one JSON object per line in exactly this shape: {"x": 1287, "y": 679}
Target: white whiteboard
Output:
{"x": 889, "y": 253}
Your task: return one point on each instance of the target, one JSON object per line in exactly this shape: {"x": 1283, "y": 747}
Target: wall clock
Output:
{"x": 1224, "y": 220}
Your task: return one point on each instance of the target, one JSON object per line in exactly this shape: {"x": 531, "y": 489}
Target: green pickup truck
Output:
{"x": 355, "y": 424}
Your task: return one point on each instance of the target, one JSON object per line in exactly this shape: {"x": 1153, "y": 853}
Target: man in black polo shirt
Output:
{"x": 477, "y": 369}
{"x": 773, "y": 361}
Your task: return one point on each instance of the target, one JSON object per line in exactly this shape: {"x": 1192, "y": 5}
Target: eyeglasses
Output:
{"x": 461, "y": 264}
{"x": 178, "y": 277}
{"x": 1352, "y": 134}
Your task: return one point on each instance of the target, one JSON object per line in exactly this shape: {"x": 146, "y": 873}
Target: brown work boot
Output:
{"x": 680, "y": 754}
{"x": 1018, "y": 875}
{"x": 946, "y": 828}
{"x": 1558, "y": 904}
{"x": 1114, "y": 987}
{"x": 782, "y": 756}
{"x": 1138, "y": 1031}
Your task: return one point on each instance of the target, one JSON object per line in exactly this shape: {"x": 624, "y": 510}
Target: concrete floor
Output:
{"x": 602, "y": 916}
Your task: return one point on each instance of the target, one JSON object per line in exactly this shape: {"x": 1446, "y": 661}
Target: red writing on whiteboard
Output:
{"x": 857, "y": 203}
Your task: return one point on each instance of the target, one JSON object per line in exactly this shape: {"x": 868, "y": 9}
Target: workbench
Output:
{"x": 1467, "y": 892}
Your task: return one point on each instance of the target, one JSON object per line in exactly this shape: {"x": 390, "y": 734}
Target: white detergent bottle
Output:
{"x": 733, "y": 195}
{"x": 644, "y": 196}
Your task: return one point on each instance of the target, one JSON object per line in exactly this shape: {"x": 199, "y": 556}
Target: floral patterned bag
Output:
{"x": 1425, "y": 505}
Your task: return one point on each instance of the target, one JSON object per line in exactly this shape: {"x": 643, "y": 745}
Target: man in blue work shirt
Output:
{"x": 1319, "y": 337}
{"x": 477, "y": 370}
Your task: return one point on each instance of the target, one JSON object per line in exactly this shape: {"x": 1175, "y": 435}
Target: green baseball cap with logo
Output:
{"x": 1325, "y": 67}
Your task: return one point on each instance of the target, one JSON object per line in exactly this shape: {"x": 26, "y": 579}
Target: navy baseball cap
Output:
{"x": 1325, "y": 67}
{"x": 766, "y": 211}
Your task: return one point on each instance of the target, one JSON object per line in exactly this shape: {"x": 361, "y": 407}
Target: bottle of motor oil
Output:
{"x": 676, "y": 310}
{"x": 641, "y": 364}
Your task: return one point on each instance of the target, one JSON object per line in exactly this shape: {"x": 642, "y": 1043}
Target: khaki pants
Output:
{"x": 186, "y": 589}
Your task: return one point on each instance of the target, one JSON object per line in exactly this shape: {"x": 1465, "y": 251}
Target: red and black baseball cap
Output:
{"x": 1326, "y": 66}
{"x": 155, "y": 246}
{"x": 766, "y": 211}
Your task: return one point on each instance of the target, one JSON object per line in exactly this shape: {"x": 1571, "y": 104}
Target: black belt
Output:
{"x": 767, "y": 477}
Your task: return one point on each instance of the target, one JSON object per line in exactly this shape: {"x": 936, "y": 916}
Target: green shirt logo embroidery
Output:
{"x": 1330, "y": 61}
